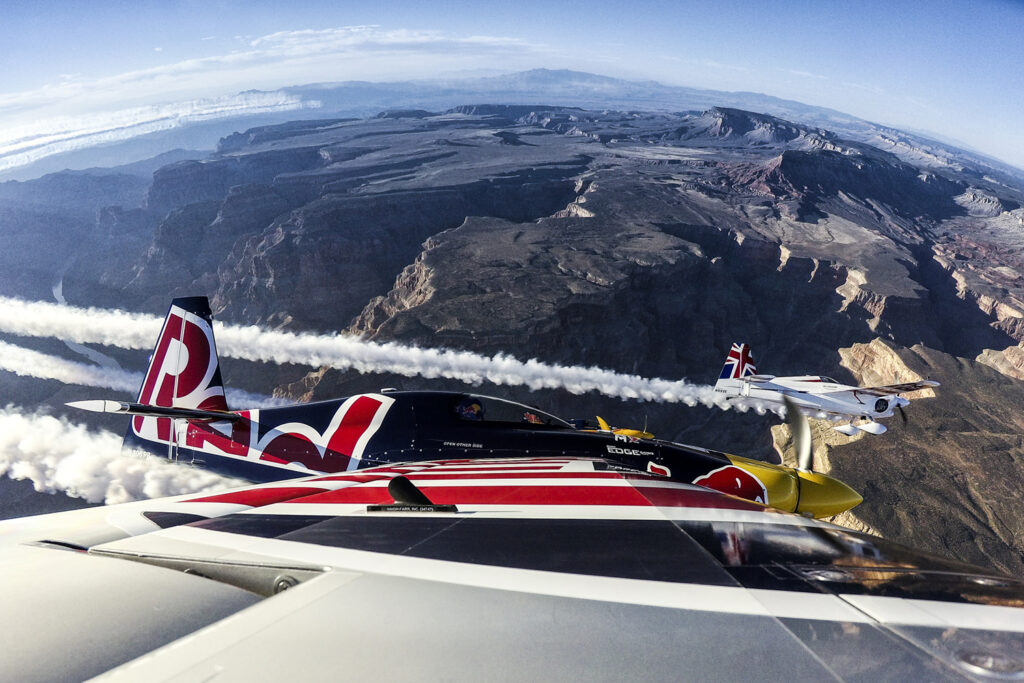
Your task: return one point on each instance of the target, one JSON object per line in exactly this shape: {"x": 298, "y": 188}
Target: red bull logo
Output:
{"x": 735, "y": 481}
{"x": 338, "y": 447}
{"x": 655, "y": 468}
{"x": 184, "y": 372}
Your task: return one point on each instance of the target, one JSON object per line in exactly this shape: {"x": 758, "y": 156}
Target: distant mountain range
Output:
{"x": 537, "y": 87}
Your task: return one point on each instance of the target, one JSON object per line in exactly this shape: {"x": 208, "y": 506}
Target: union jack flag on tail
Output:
{"x": 739, "y": 363}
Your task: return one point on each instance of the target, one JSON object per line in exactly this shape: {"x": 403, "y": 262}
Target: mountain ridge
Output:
{"x": 365, "y": 98}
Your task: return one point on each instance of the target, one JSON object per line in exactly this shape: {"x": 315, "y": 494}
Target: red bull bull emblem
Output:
{"x": 735, "y": 481}
{"x": 655, "y": 468}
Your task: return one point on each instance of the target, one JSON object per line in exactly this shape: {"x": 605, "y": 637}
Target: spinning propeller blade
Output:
{"x": 801, "y": 430}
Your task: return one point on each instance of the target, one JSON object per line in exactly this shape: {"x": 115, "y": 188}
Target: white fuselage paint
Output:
{"x": 813, "y": 396}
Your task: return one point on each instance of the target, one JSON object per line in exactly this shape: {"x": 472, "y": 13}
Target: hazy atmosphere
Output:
{"x": 949, "y": 69}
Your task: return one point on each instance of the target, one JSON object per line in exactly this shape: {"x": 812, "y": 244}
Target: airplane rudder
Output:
{"x": 746, "y": 364}
{"x": 197, "y": 305}
{"x": 184, "y": 370}
{"x": 731, "y": 369}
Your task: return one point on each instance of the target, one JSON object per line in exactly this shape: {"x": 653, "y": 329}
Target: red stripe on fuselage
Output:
{"x": 443, "y": 470}
{"x": 492, "y": 495}
{"x": 356, "y": 478}
{"x": 260, "y": 497}
{"x": 427, "y": 475}
{"x": 355, "y": 423}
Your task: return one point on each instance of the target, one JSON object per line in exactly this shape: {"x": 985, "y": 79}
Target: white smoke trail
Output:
{"x": 81, "y": 325}
{"x": 252, "y": 343}
{"x": 57, "y": 455}
{"x": 131, "y": 330}
{"x": 81, "y": 349}
{"x": 28, "y": 363}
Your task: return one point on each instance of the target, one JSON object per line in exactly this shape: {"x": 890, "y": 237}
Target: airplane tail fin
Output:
{"x": 738, "y": 364}
{"x": 184, "y": 371}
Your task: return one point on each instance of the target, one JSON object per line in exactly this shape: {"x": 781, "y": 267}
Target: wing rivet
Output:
{"x": 992, "y": 664}
{"x": 284, "y": 582}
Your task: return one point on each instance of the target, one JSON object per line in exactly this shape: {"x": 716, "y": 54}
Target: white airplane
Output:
{"x": 814, "y": 395}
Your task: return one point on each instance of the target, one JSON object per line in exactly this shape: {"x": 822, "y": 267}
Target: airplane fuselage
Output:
{"x": 816, "y": 396}
{"x": 374, "y": 429}
{"x": 408, "y": 427}
{"x": 182, "y": 414}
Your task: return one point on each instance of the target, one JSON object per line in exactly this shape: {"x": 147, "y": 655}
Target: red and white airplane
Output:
{"x": 814, "y": 395}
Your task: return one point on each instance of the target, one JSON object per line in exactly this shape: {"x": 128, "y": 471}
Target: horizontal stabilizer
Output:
{"x": 869, "y": 427}
{"x": 103, "y": 406}
{"x": 873, "y": 428}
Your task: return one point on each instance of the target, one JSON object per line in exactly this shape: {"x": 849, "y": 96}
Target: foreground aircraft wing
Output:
{"x": 899, "y": 388}
{"x": 512, "y": 569}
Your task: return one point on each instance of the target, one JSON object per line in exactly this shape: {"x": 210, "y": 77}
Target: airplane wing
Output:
{"x": 758, "y": 379}
{"x": 511, "y": 569}
{"x": 899, "y": 388}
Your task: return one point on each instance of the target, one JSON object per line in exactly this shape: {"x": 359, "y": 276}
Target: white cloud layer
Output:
{"x": 277, "y": 60}
{"x": 24, "y": 144}
{"x": 74, "y": 113}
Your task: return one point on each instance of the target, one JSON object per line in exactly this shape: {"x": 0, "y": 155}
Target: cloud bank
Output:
{"x": 75, "y": 113}
{"x": 27, "y": 143}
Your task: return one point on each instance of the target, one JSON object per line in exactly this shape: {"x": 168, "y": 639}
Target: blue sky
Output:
{"x": 953, "y": 68}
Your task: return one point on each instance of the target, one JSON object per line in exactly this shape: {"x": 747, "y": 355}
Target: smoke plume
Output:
{"x": 28, "y": 363}
{"x": 131, "y": 330}
{"x": 57, "y": 455}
